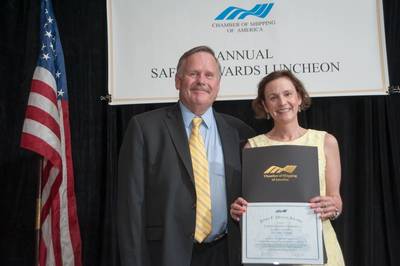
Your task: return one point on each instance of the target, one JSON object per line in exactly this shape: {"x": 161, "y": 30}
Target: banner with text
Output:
{"x": 336, "y": 48}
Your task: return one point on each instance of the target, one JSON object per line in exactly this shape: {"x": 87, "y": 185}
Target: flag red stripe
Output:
{"x": 44, "y": 118}
{"x": 52, "y": 196}
{"x": 42, "y": 252}
{"x": 35, "y": 144}
{"x": 46, "y": 174}
{"x": 44, "y": 89}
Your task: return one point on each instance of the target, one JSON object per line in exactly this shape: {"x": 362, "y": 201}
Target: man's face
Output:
{"x": 198, "y": 82}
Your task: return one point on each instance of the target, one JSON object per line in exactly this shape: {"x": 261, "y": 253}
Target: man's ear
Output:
{"x": 177, "y": 82}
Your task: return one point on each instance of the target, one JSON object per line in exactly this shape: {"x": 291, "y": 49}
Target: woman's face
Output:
{"x": 281, "y": 100}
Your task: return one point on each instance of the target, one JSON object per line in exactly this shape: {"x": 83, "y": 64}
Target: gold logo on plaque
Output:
{"x": 277, "y": 170}
{"x": 278, "y": 174}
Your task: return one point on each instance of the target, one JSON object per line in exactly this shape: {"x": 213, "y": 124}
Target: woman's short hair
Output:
{"x": 257, "y": 103}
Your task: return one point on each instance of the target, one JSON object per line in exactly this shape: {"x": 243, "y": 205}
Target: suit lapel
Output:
{"x": 174, "y": 122}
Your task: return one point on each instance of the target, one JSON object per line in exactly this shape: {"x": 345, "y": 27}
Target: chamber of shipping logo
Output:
{"x": 232, "y": 12}
{"x": 277, "y": 170}
{"x": 276, "y": 173}
{"x": 241, "y": 20}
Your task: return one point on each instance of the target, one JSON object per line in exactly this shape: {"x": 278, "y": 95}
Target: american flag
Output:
{"x": 46, "y": 131}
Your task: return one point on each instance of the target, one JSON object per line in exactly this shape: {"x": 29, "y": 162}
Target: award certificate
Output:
{"x": 281, "y": 233}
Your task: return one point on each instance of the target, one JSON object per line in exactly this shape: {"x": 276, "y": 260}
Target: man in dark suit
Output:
{"x": 157, "y": 194}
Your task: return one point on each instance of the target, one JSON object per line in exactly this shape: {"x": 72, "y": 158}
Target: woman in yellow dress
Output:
{"x": 281, "y": 96}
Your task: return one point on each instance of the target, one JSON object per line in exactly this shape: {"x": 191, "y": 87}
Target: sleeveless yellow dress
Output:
{"x": 312, "y": 138}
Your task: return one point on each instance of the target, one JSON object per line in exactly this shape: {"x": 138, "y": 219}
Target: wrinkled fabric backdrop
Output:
{"x": 367, "y": 128}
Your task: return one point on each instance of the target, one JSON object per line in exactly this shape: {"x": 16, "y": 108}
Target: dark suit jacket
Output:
{"x": 156, "y": 195}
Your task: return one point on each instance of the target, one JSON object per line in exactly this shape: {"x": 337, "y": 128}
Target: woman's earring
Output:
{"x": 267, "y": 115}
{"x": 299, "y": 108}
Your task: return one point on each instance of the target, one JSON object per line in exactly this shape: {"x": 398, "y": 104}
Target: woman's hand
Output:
{"x": 238, "y": 208}
{"x": 327, "y": 207}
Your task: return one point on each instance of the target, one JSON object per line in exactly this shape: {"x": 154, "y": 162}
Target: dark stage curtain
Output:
{"x": 367, "y": 128}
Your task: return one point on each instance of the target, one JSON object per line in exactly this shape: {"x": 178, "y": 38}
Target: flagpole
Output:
{"x": 38, "y": 210}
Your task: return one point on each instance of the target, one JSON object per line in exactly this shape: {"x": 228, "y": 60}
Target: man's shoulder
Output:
{"x": 152, "y": 121}
{"x": 244, "y": 130}
{"x": 231, "y": 120}
{"x": 149, "y": 116}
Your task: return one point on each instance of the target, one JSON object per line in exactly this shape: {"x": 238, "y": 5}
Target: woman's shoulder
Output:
{"x": 312, "y": 131}
{"x": 258, "y": 140}
{"x": 325, "y": 137}
{"x": 258, "y": 136}
{"x": 330, "y": 141}
{"x": 316, "y": 137}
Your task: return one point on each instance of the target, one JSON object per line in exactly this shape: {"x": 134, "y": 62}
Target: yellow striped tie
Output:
{"x": 202, "y": 182}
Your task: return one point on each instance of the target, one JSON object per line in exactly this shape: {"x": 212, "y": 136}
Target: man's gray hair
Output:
{"x": 194, "y": 50}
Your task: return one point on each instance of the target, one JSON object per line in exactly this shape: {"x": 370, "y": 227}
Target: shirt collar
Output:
{"x": 188, "y": 116}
